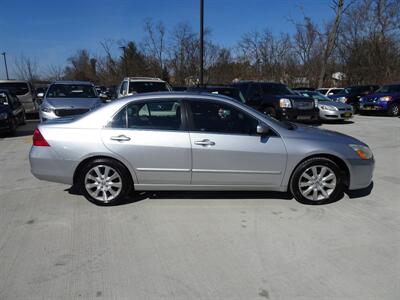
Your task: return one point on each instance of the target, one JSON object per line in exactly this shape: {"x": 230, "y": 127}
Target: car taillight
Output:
{"x": 39, "y": 140}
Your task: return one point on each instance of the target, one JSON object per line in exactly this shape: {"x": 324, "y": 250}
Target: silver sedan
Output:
{"x": 193, "y": 141}
{"x": 330, "y": 110}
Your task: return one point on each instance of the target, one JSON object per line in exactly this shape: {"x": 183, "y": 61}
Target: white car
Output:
{"x": 137, "y": 85}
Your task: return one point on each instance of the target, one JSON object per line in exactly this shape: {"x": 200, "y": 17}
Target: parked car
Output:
{"x": 303, "y": 88}
{"x": 24, "y": 91}
{"x": 278, "y": 101}
{"x": 228, "y": 91}
{"x": 12, "y": 112}
{"x": 40, "y": 92}
{"x": 386, "y": 99}
{"x": 68, "y": 98}
{"x": 179, "y": 88}
{"x": 352, "y": 94}
{"x": 192, "y": 141}
{"x": 328, "y": 109}
{"x": 329, "y": 91}
{"x": 138, "y": 85}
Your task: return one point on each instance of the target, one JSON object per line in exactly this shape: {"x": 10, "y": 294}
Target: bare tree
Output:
{"x": 338, "y": 7}
{"x": 154, "y": 43}
{"x": 27, "y": 68}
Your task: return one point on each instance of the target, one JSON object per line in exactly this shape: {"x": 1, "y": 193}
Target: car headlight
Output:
{"x": 285, "y": 103}
{"x": 361, "y": 99}
{"x": 342, "y": 99}
{"x": 362, "y": 151}
{"x": 328, "y": 107}
{"x": 385, "y": 98}
{"x": 47, "y": 109}
{"x": 3, "y": 116}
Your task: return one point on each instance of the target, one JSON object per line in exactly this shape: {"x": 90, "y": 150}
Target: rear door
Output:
{"x": 151, "y": 135}
{"x": 226, "y": 149}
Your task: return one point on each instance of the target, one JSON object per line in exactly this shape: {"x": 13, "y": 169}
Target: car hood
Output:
{"x": 295, "y": 98}
{"x": 74, "y": 103}
{"x": 378, "y": 95}
{"x": 335, "y": 104}
{"x": 312, "y": 133}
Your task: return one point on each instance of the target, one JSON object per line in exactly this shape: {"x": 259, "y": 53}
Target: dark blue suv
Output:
{"x": 386, "y": 99}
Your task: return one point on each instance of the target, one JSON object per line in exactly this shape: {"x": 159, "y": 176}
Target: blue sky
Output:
{"x": 51, "y": 31}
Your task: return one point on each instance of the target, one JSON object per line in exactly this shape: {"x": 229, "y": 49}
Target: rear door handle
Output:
{"x": 205, "y": 143}
{"x": 120, "y": 138}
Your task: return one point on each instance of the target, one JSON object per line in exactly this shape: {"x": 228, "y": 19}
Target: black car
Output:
{"x": 352, "y": 94}
{"x": 278, "y": 101}
{"x": 12, "y": 113}
{"x": 225, "y": 90}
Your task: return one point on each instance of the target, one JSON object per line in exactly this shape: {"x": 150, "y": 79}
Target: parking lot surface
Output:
{"x": 55, "y": 244}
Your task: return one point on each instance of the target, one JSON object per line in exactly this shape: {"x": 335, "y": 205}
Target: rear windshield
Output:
{"x": 147, "y": 87}
{"x": 17, "y": 88}
{"x": 71, "y": 91}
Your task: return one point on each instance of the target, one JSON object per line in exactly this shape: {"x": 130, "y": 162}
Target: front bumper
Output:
{"x": 374, "y": 106}
{"x": 361, "y": 172}
{"x": 299, "y": 115}
{"x": 44, "y": 116}
{"x": 335, "y": 114}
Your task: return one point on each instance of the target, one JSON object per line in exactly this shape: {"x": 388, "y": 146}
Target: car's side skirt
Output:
{"x": 193, "y": 187}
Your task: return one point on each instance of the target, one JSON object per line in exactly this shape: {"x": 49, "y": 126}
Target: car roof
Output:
{"x": 73, "y": 82}
{"x": 152, "y": 79}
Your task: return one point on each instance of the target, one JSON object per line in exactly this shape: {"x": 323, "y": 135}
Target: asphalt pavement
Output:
{"x": 55, "y": 244}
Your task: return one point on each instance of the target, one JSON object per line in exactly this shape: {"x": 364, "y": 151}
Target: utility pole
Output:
{"x": 5, "y": 64}
{"x": 201, "y": 42}
{"x": 123, "y": 48}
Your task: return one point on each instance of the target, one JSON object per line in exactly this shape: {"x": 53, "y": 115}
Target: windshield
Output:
{"x": 232, "y": 93}
{"x": 389, "y": 89}
{"x": 276, "y": 89}
{"x": 17, "y": 88}
{"x": 71, "y": 91}
{"x": 316, "y": 95}
{"x": 147, "y": 87}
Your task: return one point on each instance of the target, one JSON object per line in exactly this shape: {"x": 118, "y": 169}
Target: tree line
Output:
{"x": 361, "y": 43}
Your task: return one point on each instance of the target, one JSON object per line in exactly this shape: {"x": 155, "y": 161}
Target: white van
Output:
{"x": 24, "y": 91}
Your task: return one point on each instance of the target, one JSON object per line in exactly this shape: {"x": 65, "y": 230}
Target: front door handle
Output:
{"x": 205, "y": 143}
{"x": 120, "y": 138}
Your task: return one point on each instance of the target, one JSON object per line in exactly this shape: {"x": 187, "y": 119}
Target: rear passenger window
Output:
{"x": 163, "y": 115}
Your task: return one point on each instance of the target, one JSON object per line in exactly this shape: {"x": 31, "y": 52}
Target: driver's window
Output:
{"x": 221, "y": 118}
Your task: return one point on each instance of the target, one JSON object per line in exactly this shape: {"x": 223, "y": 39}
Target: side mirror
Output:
{"x": 262, "y": 129}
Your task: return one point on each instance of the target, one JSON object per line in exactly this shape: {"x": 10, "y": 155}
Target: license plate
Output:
{"x": 347, "y": 115}
{"x": 368, "y": 108}
{"x": 303, "y": 117}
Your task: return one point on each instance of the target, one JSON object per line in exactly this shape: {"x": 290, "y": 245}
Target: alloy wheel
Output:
{"x": 317, "y": 183}
{"x": 103, "y": 183}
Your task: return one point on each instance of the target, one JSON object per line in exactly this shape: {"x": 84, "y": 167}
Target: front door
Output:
{"x": 226, "y": 149}
{"x": 152, "y": 137}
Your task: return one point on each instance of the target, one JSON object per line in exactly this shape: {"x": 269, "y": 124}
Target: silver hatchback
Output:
{"x": 192, "y": 141}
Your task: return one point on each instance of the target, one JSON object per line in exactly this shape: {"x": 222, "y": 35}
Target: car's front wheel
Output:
{"x": 394, "y": 110}
{"x": 104, "y": 181}
{"x": 317, "y": 181}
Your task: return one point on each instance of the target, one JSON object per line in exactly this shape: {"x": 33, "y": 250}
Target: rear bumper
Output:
{"x": 299, "y": 115}
{"x": 47, "y": 165}
{"x": 361, "y": 172}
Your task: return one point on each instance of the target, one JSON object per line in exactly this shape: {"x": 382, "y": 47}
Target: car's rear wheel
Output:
{"x": 394, "y": 110}
{"x": 104, "y": 181}
{"x": 317, "y": 181}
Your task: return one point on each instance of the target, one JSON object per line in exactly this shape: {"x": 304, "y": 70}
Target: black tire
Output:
{"x": 13, "y": 127}
{"x": 394, "y": 110}
{"x": 269, "y": 111}
{"x": 23, "y": 119}
{"x": 123, "y": 172}
{"x": 336, "y": 194}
